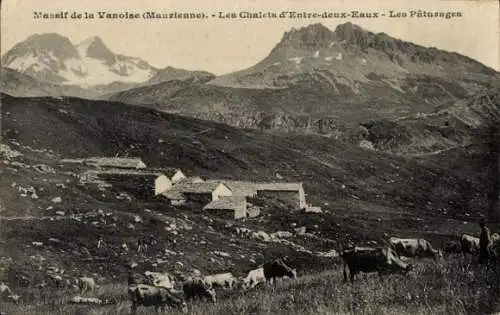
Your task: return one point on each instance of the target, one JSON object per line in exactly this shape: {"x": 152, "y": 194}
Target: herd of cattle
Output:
{"x": 157, "y": 289}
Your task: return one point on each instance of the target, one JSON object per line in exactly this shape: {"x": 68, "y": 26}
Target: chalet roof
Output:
{"x": 186, "y": 186}
{"x": 226, "y": 203}
{"x": 239, "y": 188}
{"x": 191, "y": 179}
{"x": 118, "y": 171}
{"x": 280, "y": 186}
{"x": 173, "y": 194}
{"x": 133, "y": 162}
{"x": 199, "y": 188}
{"x": 170, "y": 171}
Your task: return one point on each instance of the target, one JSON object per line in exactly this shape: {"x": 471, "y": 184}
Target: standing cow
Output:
{"x": 159, "y": 279}
{"x": 159, "y": 297}
{"x": 195, "y": 288}
{"x": 253, "y": 278}
{"x": 369, "y": 259}
{"x": 469, "y": 244}
{"x": 278, "y": 269}
{"x": 414, "y": 247}
{"x": 222, "y": 280}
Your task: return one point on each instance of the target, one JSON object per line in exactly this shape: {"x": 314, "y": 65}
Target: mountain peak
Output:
{"x": 58, "y": 46}
{"x": 311, "y": 37}
{"x": 94, "y": 47}
{"x": 352, "y": 33}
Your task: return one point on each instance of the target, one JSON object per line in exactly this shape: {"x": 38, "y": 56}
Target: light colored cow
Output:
{"x": 4, "y": 289}
{"x": 7, "y": 294}
{"x": 159, "y": 279}
{"x": 223, "y": 280}
{"x": 414, "y": 247}
{"x": 469, "y": 244}
{"x": 254, "y": 277}
{"x": 85, "y": 300}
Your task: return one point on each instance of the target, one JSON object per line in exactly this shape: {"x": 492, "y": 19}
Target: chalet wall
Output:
{"x": 199, "y": 198}
{"x": 291, "y": 198}
{"x": 162, "y": 183}
{"x": 221, "y": 191}
{"x": 240, "y": 211}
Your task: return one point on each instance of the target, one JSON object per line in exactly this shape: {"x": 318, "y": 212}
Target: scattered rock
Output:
{"x": 365, "y": 144}
{"x": 56, "y": 200}
{"x": 45, "y": 169}
{"x": 332, "y": 253}
{"x": 301, "y": 230}
{"x": 313, "y": 210}
{"x": 281, "y": 234}
{"x": 261, "y": 235}
{"x": 221, "y": 254}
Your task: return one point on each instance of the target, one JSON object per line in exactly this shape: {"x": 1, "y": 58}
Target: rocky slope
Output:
{"x": 457, "y": 125}
{"x": 342, "y": 76}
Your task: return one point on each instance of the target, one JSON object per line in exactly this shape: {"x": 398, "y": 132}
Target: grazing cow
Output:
{"x": 159, "y": 297}
{"x": 469, "y": 244}
{"x": 159, "y": 279}
{"x": 86, "y": 284}
{"x": 197, "y": 288}
{"x": 413, "y": 247}
{"x": 223, "y": 280}
{"x": 452, "y": 247}
{"x": 277, "y": 269}
{"x": 85, "y": 300}
{"x": 254, "y": 277}
{"x": 368, "y": 259}
{"x": 5, "y": 290}
{"x": 495, "y": 237}
{"x": 15, "y": 298}
{"x": 7, "y": 294}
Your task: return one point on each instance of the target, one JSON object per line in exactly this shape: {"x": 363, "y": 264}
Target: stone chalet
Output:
{"x": 202, "y": 193}
{"x": 239, "y": 188}
{"x": 291, "y": 193}
{"x": 140, "y": 183}
{"x": 108, "y": 162}
{"x": 167, "y": 178}
{"x": 233, "y": 207}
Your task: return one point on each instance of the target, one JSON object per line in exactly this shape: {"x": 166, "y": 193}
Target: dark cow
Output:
{"x": 452, "y": 247}
{"x": 278, "y": 269}
{"x": 134, "y": 278}
{"x": 197, "y": 288}
{"x": 159, "y": 297}
{"x": 414, "y": 247}
{"x": 469, "y": 244}
{"x": 383, "y": 260}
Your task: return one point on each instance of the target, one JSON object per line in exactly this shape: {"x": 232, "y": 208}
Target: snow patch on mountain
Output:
{"x": 86, "y": 64}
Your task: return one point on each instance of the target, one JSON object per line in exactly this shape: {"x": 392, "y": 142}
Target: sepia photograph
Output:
{"x": 279, "y": 157}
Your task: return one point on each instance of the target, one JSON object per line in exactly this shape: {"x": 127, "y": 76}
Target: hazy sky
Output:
{"x": 224, "y": 45}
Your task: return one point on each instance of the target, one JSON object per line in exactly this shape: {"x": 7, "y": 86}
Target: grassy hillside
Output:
{"x": 453, "y": 287}
{"x": 219, "y": 151}
{"x": 365, "y": 195}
